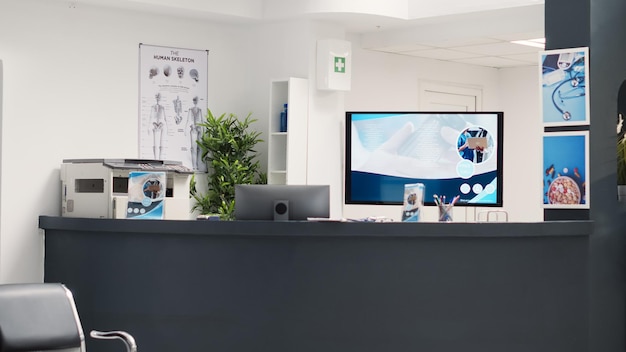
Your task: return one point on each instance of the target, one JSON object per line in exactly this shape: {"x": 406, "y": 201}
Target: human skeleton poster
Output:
{"x": 173, "y": 91}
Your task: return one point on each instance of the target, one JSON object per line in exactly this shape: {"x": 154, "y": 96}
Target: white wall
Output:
{"x": 326, "y": 117}
{"x": 288, "y": 49}
{"x": 519, "y": 99}
{"x": 71, "y": 90}
{"x": 277, "y": 51}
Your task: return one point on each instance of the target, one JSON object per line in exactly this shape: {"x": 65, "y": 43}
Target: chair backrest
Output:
{"x": 38, "y": 317}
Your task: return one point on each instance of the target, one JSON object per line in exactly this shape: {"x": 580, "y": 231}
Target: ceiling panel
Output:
{"x": 403, "y": 48}
{"x": 532, "y": 58}
{"x": 476, "y": 31}
{"x": 442, "y": 54}
{"x": 497, "y": 49}
{"x": 461, "y": 41}
{"x": 492, "y": 61}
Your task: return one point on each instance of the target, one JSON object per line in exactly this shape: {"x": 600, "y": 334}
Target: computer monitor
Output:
{"x": 281, "y": 202}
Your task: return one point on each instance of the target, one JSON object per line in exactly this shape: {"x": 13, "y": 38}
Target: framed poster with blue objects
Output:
{"x": 564, "y": 86}
{"x": 566, "y": 170}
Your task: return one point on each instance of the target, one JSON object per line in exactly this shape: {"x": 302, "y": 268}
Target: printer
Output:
{"x": 98, "y": 188}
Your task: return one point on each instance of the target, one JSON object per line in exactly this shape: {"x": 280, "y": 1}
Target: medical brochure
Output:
{"x": 413, "y": 202}
{"x": 146, "y": 195}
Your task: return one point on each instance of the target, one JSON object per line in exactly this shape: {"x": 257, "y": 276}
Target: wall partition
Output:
{"x": 599, "y": 26}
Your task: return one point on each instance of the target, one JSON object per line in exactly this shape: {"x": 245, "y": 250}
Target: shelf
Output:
{"x": 287, "y": 151}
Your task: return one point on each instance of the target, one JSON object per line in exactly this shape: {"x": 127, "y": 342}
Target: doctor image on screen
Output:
{"x": 465, "y": 151}
{"x": 474, "y": 144}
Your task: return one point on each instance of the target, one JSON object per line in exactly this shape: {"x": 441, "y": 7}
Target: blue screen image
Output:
{"x": 451, "y": 153}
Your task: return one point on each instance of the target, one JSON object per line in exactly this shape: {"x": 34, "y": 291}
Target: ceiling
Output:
{"x": 475, "y": 32}
{"x": 480, "y": 38}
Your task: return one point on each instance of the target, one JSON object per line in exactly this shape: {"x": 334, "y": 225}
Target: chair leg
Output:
{"x": 128, "y": 339}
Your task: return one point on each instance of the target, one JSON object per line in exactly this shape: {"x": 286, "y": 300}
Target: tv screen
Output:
{"x": 281, "y": 202}
{"x": 451, "y": 153}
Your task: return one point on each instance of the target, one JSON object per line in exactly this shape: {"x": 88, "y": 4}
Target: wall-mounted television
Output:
{"x": 451, "y": 153}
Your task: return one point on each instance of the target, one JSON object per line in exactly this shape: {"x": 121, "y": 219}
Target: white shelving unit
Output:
{"x": 287, "y": 151}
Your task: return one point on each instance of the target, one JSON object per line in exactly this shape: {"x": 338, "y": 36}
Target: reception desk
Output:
{"x": 326, "y": 286}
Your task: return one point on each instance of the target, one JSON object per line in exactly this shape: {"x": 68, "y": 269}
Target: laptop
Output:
{"x": 476, "y": 142}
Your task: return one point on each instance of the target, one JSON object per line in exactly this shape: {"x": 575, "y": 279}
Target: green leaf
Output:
{"x": 228, "y": 149}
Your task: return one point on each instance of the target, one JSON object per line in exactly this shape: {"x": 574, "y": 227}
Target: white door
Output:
{"x": 446, "y": 97}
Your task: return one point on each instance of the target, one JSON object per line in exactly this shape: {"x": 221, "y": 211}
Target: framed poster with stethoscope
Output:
{"x": 564, "y": 86}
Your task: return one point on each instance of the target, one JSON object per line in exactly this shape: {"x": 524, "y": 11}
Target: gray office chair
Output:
{"x": 42, "y": 317}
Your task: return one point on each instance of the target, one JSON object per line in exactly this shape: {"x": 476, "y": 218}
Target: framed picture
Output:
{"x": 173, "y": 91}
{"x": 566, "y": 170}
{"x": 564, "y": 86}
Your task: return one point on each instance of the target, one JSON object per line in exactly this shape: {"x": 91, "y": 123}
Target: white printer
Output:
{"x": 98, "y": 188}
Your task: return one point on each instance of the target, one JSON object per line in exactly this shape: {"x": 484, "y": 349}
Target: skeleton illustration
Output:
{"x": 194, "y": 118}
{"x": 157, "y": 126}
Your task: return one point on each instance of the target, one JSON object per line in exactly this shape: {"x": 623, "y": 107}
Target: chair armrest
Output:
{"x": 127, "y": 338}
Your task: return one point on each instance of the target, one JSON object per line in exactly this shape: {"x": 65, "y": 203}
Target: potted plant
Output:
{"x": 228, "y": 150}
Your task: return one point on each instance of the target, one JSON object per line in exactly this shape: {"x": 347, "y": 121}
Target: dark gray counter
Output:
{"x": 323, "y": 228}
{"x": 303, "y": 286}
